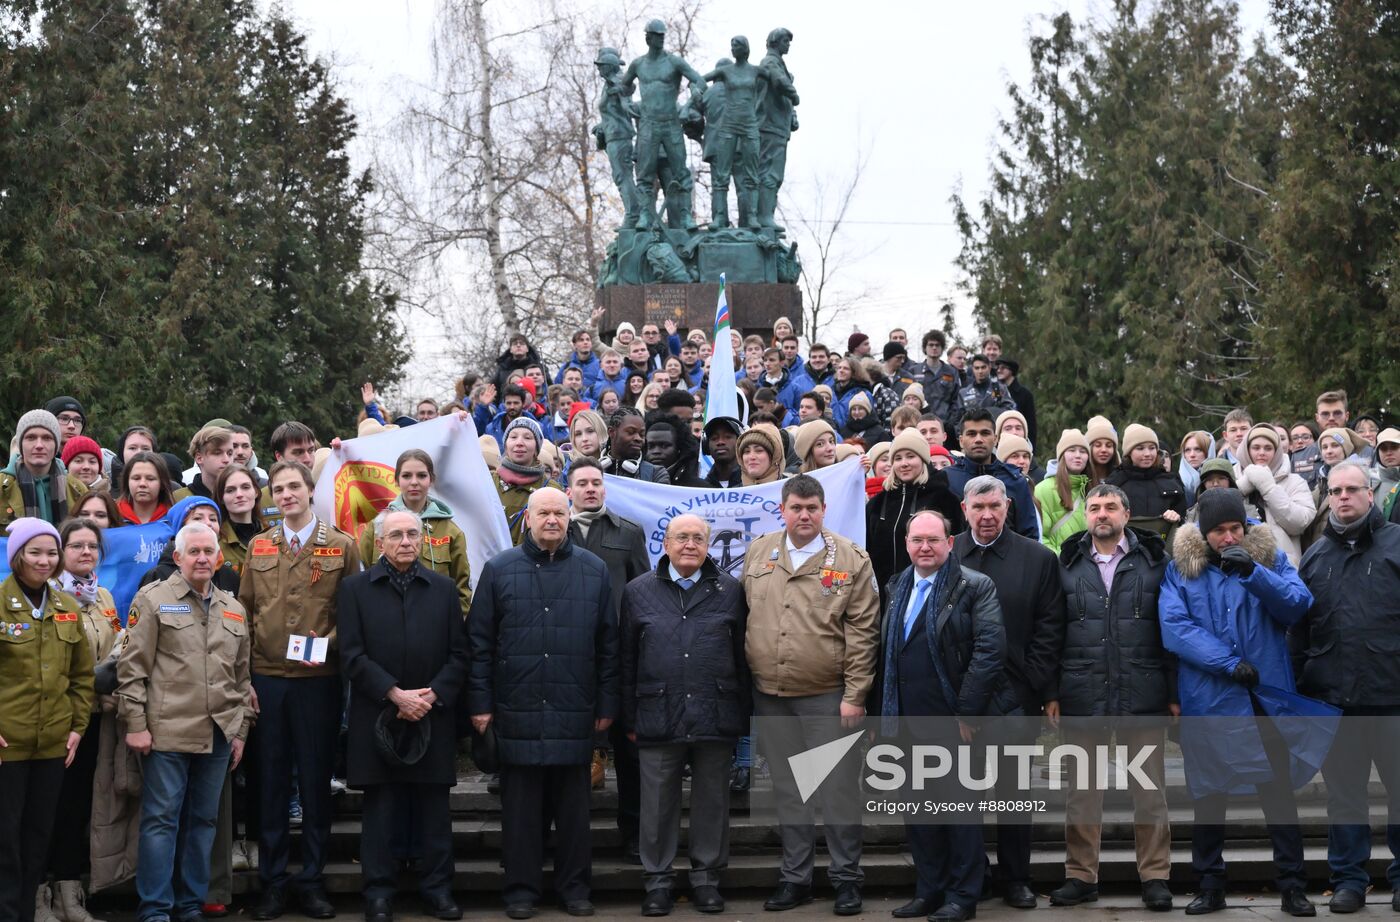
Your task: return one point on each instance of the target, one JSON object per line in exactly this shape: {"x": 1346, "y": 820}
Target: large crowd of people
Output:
{"x": 269, "y": 658}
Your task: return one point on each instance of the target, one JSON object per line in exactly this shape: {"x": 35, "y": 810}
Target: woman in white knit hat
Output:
{"x": 1282, "y": 496}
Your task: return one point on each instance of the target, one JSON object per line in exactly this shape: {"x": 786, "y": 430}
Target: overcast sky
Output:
{"x": 922, "y": 82}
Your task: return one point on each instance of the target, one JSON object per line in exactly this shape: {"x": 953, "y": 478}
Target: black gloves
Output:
{"x": 1246, "y": 675}
{"x": 1236, "y": 560}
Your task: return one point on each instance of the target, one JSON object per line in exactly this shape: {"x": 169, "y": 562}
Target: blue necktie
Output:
{"x": 685, "y": 582}
{"x": 920, "y": 596}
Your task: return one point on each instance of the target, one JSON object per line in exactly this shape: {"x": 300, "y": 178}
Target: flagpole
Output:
{"x": 722, "y": 395}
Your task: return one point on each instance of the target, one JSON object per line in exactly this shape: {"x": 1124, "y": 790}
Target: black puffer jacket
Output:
{"x": 1347, "y": 648}
{"x": 1113, "y": 663}
{"x": 1151, "y": 492}
{"x": 887, "y": 521}
{"x": 543, "y": 652}
{"x": 685, "y": 678}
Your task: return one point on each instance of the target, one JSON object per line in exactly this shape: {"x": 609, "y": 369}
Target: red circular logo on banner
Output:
{"x": 362, "y": 490}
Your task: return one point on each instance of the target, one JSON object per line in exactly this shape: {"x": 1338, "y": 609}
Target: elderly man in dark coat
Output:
{"x": 685, "y": 699}
{"x": 1027, "y": 578}
{"x": 544, "y": 674}
{"x": 403, "y": 646}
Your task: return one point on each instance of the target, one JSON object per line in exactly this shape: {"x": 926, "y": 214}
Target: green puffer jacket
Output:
{"x": 1056, "y": 522}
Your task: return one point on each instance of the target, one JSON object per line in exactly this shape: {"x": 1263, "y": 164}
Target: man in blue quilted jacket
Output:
{"x": 544, "y": 676}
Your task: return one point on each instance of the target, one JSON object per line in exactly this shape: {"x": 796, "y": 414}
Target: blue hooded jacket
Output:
{"x": 1212, "y": 621}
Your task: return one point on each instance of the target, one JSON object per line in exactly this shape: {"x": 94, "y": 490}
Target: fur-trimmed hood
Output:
{"x": 1191, "y": 553}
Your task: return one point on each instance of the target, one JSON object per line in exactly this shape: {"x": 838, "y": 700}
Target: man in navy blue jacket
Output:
{"x": 978, "y": 438}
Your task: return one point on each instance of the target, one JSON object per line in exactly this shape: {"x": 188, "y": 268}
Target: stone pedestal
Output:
{"x": 754, "y": 306}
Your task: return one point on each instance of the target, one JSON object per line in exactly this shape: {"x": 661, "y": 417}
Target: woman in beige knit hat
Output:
{"x": 1156, "y": 498}
{"x": 1282, "y": 496}
{"x": 1103, "y": 450}
{"x": 912, "y": 486}
{"x": 815, "y": 443}
{"x": 1015, "y": 451}
{"x": 761, "y": 458}
{"x": 1060, "y": 499}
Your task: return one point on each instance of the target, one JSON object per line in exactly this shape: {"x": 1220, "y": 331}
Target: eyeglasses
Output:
{"x": 395, "y": 537}
{"x": 82, "y": 546}
{"x": 686, "y": 540}
{"x": 1349, "y": 491}
{"x": 72, "y": 418}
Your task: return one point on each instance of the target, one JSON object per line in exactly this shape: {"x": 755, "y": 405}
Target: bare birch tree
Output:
{"x": 496, "y": 207}
{"x": 817, "y": 219}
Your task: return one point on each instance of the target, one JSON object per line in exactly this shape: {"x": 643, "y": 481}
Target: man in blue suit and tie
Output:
{"x": 941, "y": 615}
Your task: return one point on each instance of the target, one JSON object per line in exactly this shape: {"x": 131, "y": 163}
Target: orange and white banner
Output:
{"x": 358, "y": 481}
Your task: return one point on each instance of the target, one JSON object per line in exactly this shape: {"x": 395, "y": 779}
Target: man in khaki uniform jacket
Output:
{"x": 183, "y": 695}
{"x": 289, "y": 587}
{"x": 812, "y": 644}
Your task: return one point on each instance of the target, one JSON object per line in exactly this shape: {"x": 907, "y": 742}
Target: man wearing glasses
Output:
{"x": 1348, "y": 647}
{"x": 403, "y": 648}
{"x": 658, "y": 348}
{"x": 1331, "y": 412}
{"x": 685, "y": 700}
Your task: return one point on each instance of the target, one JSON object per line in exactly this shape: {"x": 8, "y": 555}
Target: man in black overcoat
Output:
{"x": 403, "y": 647}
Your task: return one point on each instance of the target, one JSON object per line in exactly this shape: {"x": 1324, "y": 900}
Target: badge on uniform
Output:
{"x": 65, "y": 616}
{"x": 263, "y": 547}
{"x": 183, "y": 609}
{"x": 439, "y": 542}
{"x": 233, "y": 616}
{"x": 14, "y": 630}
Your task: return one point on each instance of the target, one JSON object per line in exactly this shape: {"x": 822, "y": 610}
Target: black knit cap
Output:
{"x": 66, "y": 405}
{"x": 892, "y": 349}
{"x": 1218, "y": 506}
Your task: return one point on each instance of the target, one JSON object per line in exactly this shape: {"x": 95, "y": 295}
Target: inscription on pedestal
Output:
{"x": 665, "y": 302}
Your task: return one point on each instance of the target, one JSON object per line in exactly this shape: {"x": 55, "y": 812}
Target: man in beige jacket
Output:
{"x": 812, "y": 642}
{"x": 183, "y": 695}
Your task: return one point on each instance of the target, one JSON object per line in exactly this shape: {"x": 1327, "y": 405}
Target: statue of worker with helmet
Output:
{"x": 659, "y": 125}
{"x": 614, "y": 132}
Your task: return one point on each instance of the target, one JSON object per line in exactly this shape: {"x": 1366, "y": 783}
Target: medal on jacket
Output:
{"x": 315, "y": 571}
{"x": 828, "y": 562}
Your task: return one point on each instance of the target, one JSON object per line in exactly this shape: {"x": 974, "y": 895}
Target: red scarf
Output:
{"x": 132, "y": 518}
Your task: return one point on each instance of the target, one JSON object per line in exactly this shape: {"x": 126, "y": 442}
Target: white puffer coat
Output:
{"x": 1281, "y": 495}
